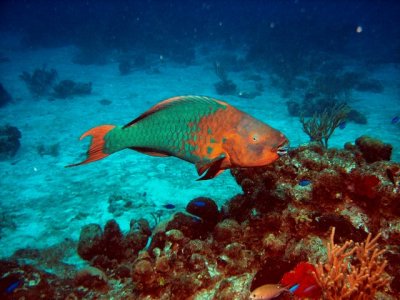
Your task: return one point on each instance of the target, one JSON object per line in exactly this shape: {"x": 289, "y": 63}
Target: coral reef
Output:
{"x": 5, "y": 97}
{"x": 324, "y": 92}
{"x": 9, "y": 141}
{"x": 40, "y": 81}
{"x": 68, "y": 88}
{"x": 352, "y": 271}
{"x": 274, "y": 232}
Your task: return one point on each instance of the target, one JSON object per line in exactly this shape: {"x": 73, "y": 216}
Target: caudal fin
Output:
{"x": 96, "y": 147}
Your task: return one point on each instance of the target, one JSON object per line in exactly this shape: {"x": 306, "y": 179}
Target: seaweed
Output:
{"x": 40, "y": 81}
{"x": 325, "y": 92}
{"x": 321, "y": 126}
{"x": 225, "y": 86}
{"x": 9, "y": 141}
{"x": 5, "y": 97}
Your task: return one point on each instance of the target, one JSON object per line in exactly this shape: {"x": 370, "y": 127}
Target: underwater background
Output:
{"x": 134, "y": 226}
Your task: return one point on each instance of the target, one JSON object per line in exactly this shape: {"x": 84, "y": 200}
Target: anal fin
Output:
{"x": 151, "y": 152}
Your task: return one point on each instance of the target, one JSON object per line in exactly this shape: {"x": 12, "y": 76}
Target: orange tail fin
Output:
{"x": 96, "y": 148}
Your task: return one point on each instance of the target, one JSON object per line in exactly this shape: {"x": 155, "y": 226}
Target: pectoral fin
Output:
{"x": 212, "y": 168}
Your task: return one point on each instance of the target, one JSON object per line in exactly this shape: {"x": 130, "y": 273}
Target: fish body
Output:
{"x": 267, "y": 292}
{"x": 395, "y": 120}
{"x": 342, "y": 125}
{"x": 169, "y": 206}
{"x": 304, "y": 182}
{"x": 9, "y": 283}
{"x": 200, "y": 203}
{"x": 207, "y": 132}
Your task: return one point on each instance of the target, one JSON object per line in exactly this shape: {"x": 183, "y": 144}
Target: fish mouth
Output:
{"x": 283, "y": 149}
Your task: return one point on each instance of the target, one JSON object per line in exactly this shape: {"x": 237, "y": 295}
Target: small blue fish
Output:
{"x": 342, "y": 125}
{"x": 294, "y": 288}
{"x": 395, "y": 120}
{"x": 304, "y": 182}
{"x": 197, "y": 219}
{"x": 9, "y": 283}
{"x": 199, "y": 203}
{"x": 169, "y": 206}
{"x": 13, "y": 286}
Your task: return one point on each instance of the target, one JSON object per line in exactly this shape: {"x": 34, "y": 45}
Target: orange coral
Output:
{"x": 352, "y": 271}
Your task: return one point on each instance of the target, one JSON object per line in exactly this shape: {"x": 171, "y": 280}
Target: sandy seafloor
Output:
{"x": 48, "y": 203}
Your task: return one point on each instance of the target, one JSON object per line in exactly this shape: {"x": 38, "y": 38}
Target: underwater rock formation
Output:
{"x": 373, "y": 149}
{"x": 68, "y": 88}
{"x": 225, "y": 86}
{"x": 9, "y": 141}
{"x": 5, "y": 97}
{"x": 272, "y": 233}
{"x": 40, "y": 81}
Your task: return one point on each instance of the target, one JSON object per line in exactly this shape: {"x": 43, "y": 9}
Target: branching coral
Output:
{"x": 225, "y": 86}
{"x": 321, "y": 126}
{"x": 352, "y": 271}
{"x": 40, "y": 81}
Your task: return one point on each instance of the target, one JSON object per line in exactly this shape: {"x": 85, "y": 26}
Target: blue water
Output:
{"x": 268, "y": 55}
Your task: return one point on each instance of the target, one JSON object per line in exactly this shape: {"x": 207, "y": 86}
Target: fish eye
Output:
{"x": 254, "y": 137}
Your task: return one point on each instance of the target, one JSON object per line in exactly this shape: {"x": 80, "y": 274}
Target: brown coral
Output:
{"x": 352, "y": 271}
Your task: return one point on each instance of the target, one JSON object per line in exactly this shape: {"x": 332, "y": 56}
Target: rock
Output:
{"x": 373, "y": 149}
{"x": 90, "y": 241}
{"x": 5, "y": 97}
{"x": 113, "y": 241}
{"x": 91, "y": 277}
{"x": 227, "y": 231}
{"x": 206, "y": 209}
{"x": 9, "y": 141}
{"x": 192, "y": 227}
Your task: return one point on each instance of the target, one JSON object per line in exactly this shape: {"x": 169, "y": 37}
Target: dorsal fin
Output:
{"x": 171, "y": 102}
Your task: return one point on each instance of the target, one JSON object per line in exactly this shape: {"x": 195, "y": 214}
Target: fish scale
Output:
{"x": 168, "y": 132}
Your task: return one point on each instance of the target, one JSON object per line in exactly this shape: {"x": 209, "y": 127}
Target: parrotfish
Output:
{"x": 209, "y": 133}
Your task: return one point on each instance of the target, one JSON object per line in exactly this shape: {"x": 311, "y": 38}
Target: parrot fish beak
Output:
{"x": 283, "y": 149}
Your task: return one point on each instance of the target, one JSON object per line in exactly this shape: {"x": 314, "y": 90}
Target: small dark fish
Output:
{"x": 395, "y": 120}
{"x": 199, "y": 203}
{"x": 196, "y": 219}
{"x": 342, "y": 125}
{"x": 304, "y": 182}
{"x": 169, "y": 206}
